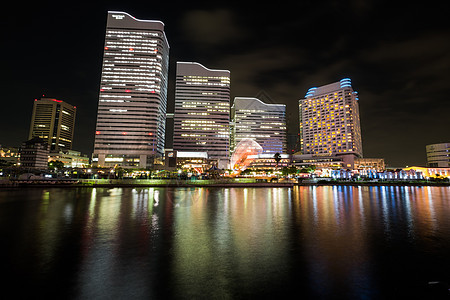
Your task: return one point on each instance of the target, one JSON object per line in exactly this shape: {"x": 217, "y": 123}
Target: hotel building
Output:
{"x": 53, "y": 121}
{"x": 202, "y": 111}
{"x": 259, "y": 121}
{"x": 329, "y": 121}
{"x": 133, "y": 93}
{"x": 438, "y": 155}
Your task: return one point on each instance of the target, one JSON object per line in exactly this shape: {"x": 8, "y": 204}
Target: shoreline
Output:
{"x": 89, "y": 183}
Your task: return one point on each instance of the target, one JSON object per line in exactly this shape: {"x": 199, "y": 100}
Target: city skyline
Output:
{"x": 398, "y": 70}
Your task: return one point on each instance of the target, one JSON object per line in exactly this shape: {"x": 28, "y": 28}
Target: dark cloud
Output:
{"x": 203, "y": 28}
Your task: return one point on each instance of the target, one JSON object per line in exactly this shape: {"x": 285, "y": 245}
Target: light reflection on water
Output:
{"x": 351, "y": 242}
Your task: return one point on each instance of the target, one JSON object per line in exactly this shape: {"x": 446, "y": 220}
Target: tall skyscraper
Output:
{"x": 202, "y": 110}
{"x": 54, "y": 121}
{"x": 261, "y": 122}
{"x": 133, "y": 93}
{"x": 329, "y": 120}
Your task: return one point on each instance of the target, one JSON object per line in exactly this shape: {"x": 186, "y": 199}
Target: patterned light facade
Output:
{"x": 202, "y": 110}
{"x": 329, "y": 120}
{"x": 53, "y": 120}
{"x": 259, "y": 121}
{"x": 133, "y": 93}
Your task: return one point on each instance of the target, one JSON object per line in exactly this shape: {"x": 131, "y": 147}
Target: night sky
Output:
{"x": 398, "y": 57}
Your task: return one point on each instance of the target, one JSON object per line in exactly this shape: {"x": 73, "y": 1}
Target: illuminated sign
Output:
{"x": 118, "y": 17}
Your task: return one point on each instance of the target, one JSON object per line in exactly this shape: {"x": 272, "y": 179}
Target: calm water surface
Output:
{"x": 225, "y": 243}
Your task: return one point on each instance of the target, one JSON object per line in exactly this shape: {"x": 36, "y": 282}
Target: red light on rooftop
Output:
{"x": 56, "y": 100}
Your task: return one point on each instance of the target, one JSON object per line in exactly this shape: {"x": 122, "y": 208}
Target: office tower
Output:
{"x": 261, "y": 122}
{"x": 438, "y": 155}
{"x": 53, "y": 120}
{"x": 133, "y": 93}
{"x": 329, "y": 120}
{"x": 202, "y": 110}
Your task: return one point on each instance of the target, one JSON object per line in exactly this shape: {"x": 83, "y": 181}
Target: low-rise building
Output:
{"x": 376, "y": 164}
{"x": 70, "y": 158}
{"x": 10, "y": 155}
{"x": 34, "y": 154}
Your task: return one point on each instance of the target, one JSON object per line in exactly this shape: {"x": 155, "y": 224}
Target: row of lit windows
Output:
{"x": 124, "y": 33}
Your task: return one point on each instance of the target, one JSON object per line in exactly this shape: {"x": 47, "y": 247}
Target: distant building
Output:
{"x": 70, "y": 158}
{"x": 376, "y": 164}
{"x": 262, "y": 122}
{"x": 324, "y": 162}
{"x": 187, "y": 160}
{"x": 9, "y": 155}
{"x": 202, "y": 111}
{"x": 131, "y": 116}
{"x": 438, "y": 155}
{"x": 34, "y": 154}
{"x": 54, "y": 121}
{"x": 329, "y": 121}
{"x": 431, "y": 172}
{"x": 267, "y": 161}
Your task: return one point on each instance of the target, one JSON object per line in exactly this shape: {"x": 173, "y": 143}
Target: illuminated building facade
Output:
{"x": 133, "y": 93}
{"x": 438, "y": 155}
{"x": 329, "y": 121}
{"x": 259, "y": 121}
{"x": 53, "y": 121}
{"x": 202, "y": 111}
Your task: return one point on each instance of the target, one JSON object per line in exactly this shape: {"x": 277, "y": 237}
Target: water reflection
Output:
{"x": 354, "y": 242}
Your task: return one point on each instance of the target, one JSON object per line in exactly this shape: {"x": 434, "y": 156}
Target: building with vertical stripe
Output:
{"x": 53, "y": 121}
{"x": 132, "y": 103}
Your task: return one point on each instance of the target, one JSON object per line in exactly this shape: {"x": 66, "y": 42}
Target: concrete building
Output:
{"x": 329, "y": 121}
{"x": 202, "y": 111}
{"x": 438, "y": 155}
{"x": 54, "y": 121}
{"x": 264, "y": 123}
{"x": 34, "y": 153}
{"x": 132, "y": 103}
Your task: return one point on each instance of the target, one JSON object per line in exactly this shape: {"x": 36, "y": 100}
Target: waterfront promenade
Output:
{"x": 231, "y": 182}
